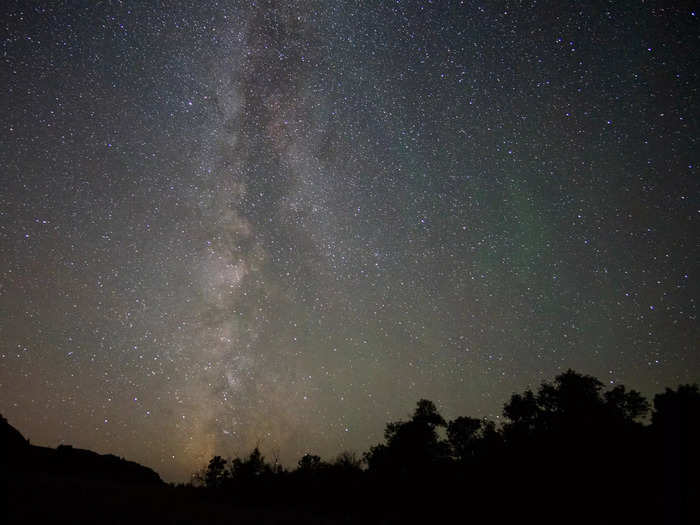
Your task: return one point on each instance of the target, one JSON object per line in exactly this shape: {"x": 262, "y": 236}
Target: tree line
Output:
{"x": 571, "y": 451}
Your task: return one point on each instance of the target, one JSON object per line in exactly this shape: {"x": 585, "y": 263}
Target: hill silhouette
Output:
{"x": 66, "y": 461}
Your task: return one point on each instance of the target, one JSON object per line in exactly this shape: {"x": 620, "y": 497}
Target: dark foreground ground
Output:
{"x": 44, "y": 499}
{"x": 37, "y": 498}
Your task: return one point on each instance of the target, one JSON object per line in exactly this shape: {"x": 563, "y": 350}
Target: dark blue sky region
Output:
{"x": 282, "y": 223}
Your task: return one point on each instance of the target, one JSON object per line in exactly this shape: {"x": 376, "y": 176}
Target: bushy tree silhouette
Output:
{"x": 676, "y": 434}
{"x": 310, "y": 463}
{"x": 522, "y": 414}
{"x": 626, "y": 407}
{"x": 252, "y": 468}
{"x": 347, "y": 462}
{"x": 216, "y": 473}
{"x": 472, "y": 439}
{"x": 570, "y": 434}
{"x": 411, "y": 446}
{"x": 573, "y": 405}
{"x": 426, "y": 414}
{"x": 678, "y": 411}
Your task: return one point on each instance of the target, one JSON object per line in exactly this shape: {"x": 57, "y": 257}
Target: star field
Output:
{"x": 235, "y": 223}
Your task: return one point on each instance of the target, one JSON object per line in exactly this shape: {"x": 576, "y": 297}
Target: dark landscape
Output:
{"x": 572, "y": 452}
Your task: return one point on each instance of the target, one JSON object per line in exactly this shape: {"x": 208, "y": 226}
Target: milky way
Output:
{"x": 281, "y": 224}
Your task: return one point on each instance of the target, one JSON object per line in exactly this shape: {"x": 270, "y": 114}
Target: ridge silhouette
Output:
{"x": 68, "y": 461}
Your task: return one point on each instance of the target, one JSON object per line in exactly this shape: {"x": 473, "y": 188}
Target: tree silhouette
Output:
{"x": 426, "y": 414}
{"x": 626, "y": 407}
{"x": 310, "y": 463}
{"x": 252, "y": 468}
{"x": 522, "y": 412}
{"x": 472, "y": 439}
{"x": 574, "y": 405}
{"x": 676, "y": 431}
{"x": 678, "y": 410}
{"x": 570, "y": 434}
{"x": 462, "y": 436}
{"x": 413, "y": 445}
{"x": 347, "y": 462}
{"x": 216, "y": 473}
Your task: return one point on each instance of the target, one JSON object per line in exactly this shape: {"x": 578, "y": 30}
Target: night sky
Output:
{"x": 283, "y": 223}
